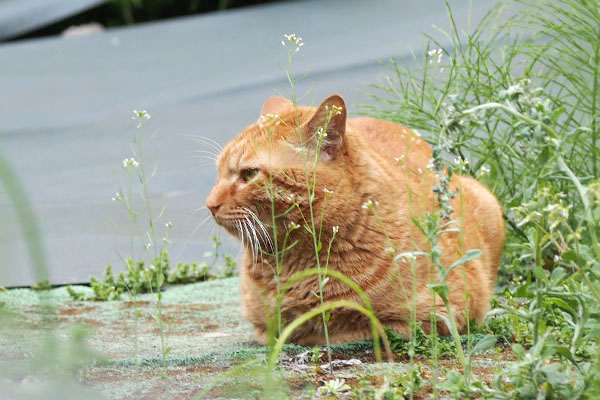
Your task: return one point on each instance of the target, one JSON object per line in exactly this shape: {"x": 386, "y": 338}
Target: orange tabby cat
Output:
{"x": 360, "y": 159}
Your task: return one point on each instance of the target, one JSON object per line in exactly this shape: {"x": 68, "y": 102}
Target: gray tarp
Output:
{"x": 66, "y": 104}
{"x": 18, "y": 17}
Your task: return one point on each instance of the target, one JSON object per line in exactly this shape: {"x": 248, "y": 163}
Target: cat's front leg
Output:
{"x": 253, "y": 301}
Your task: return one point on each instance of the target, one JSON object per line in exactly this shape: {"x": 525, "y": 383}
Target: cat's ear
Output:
{"x": 275, "y": 105}
{"x": 331, "y": 116}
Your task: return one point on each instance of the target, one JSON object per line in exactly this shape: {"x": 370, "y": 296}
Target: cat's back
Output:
{"x": 392, "y": 141}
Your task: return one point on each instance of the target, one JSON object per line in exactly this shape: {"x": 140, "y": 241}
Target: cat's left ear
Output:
{"x": 331, "y": 117}
{"x": 275, "y": 105}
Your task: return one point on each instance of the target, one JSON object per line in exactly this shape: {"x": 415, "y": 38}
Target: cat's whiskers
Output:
{"x": 208, "y": 142}
{"x": 207, "y": 156}
{"x": 207, "y": 152}
{"x": 265, "y": 235}
{"x": 203, "y": 165}
{"x": 240, "y": 232}
{"x": 258, "y": 246}
{"x": 199, "y": 209}
{"x": 211, "y": 151}
{"x": 250, "y": 240}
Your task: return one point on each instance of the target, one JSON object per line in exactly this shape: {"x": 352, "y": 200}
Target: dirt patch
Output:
{"x": 131, "y": 304}
{"x": 189, "y": 307}
{"x": 76, "y": 310}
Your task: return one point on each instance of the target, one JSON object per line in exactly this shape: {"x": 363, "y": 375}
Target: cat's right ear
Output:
{"x": 275, "y": 105}
{"x": 331, "y": 115}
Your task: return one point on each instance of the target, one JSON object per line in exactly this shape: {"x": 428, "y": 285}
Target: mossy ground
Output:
{"x": 46, "y": 334}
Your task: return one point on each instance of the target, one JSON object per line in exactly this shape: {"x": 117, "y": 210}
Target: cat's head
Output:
{"x": 264, "y": 170}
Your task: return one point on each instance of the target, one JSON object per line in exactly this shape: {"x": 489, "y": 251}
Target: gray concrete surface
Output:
{"x": 66, "y": 103}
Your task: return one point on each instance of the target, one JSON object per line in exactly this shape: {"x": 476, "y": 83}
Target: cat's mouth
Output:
{"x": 246, "y": 225}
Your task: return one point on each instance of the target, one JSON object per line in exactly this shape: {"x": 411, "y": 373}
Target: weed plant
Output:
{"x": 139, "y": 277}
{"x": 515, "y": 104}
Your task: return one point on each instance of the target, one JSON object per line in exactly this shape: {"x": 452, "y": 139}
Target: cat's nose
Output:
{"x": 213, "y": 207}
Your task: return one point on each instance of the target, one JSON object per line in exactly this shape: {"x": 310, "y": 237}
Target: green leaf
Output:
{"x": 470, "y": 255}
{"x": 519, "y": 351}
{"x": 561, "y": 304}
{"x": 410, "y": 254}
{"x": 445, "y": 319}
{"x": 324, "y": 282}
{"x": 441, "y": 289}
{"x": 569, "y": 255}
{"x": 564, "y": 352}
{"x": 485, "y": 343}
{"x": 557, "y": 275}
{"x": 541, "y": 275}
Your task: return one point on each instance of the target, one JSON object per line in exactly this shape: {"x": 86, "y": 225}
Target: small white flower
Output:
{"x": 169, "y": 225}
{"x": 139, "y": 116}
{"x": 165, "y": 240}
{"x": 291, "y": 197}
{"x": 483, "y": 171}
{"x": 117, "y": 197}
{"x": 462, "y": 164}
{"x": 336, "y": 229}
{"x": 430, "y": 165}
{"x": 435, "y": 53}
{"x": 147, "y": 246}
{"x": 293, "y": 226}
{"x": 130, "y": 162}
{"x": 390, "y": 250}
{"x": 400, "y": 159}
{"x": 369, "y": 204}
{"x": 294, "y": 40}
{"x": 328, "y": 191}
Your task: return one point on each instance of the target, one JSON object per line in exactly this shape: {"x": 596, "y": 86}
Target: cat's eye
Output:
{"x": 248, "y": 174}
